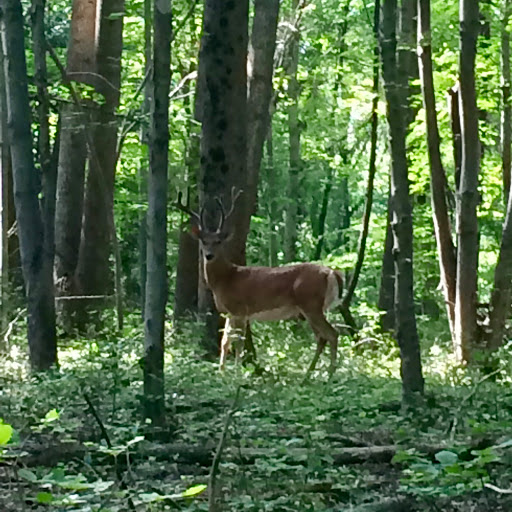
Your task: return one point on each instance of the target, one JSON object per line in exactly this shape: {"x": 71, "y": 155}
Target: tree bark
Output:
{"x": 273, "y": 217}
{"x": 93, "y": 271}
{"x": 371, "y": 165}
{"x": 156, "y": 283}
{"x": 295, "y": 162}
{"x": 445, "y": 246}
{"x": 456, "y": 133}
{"x": 506, "y": 113}
{"x": 223, "y": 73}
{"x": 396, "y": 98}
{"x": 387, "y": 276}
{"x": 83, "y": 40}
{"x": 36, "y": 271}
{"x": 467, "y": 224}
{"x": 261, "y": 58}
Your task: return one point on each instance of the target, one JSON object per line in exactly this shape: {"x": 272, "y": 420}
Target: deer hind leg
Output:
{"x": 234, "y": 331}
{"x": 324, "y": 333}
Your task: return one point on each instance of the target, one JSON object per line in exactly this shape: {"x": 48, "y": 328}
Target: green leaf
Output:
{"x": 5, "y": 433}
{"x": 44, "y": 497}
{"x": 27, "y": 475}
{"x": 51, "y": 416}
{"x": 194, "y": 490}
{"x": 446, "y": 458}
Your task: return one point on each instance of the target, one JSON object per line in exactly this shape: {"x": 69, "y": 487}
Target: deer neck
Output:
{"x": 217, "y": 271}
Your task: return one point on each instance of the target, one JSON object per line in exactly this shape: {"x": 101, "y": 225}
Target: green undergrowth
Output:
{"x": 321, "y": 445}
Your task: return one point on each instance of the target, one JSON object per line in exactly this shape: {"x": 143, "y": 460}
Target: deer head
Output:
{"x": 212, "y": 241}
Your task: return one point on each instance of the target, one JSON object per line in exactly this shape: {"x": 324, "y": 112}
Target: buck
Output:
{"x": 265, "y": 293}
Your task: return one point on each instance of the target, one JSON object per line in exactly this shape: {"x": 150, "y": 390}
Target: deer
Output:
{"x": 246, "y": 293}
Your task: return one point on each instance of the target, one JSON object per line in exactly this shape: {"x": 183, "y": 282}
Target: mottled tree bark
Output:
{"x": 467, "y": 224}
{"x": 445, "y": 246}
{"x": 396, "y": 89}
{"x": 37, "y": 273}
{"x": 223, "y": 73}
{"x": 156, "y": 282}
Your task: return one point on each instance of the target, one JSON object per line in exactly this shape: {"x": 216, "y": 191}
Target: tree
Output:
{"x": 37, "y": 271}
{"x": 156, "y": 283}
{"x": 223, "y": 91}
{"x": 396, "y": 98}
{"x": 468, "y": 197}
{"x": 93, "y": 270}
{"x": 442, "y": 226}
{"x": 506, "y": 115}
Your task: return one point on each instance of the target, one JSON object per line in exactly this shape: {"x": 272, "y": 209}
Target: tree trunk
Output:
{"x": 387, "y": 277}
{"x": 83, "y": 39}
{"x": 445, "y": 246}
{"x": 295, "y": 162}
{"x": 156, "y": 283}
{"x": 273, "y": 216}
{"x": 351, "y": 286}
{"x": 36, "y": 271}
{"x": 456, "y": 133}
{"x": 93, "y": 271}
{"x": 223, "y": 71}
{"x": 506, "y": 113}
{"x": 467, "y": 225}
{"x": 322, "y": 216}
{"x": 396, "y": 98}
{"x": 263, "y": 44}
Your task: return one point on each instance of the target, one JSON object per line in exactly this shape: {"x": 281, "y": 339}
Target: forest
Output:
{"x": 255, "y": 255}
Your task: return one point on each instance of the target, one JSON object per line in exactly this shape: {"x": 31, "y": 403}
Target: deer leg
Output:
{"x": 234, "y": 328}
{"x": 324, "y": 332}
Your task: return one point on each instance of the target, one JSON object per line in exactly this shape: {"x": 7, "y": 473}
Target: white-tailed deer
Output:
{"x": 266, "y": 293}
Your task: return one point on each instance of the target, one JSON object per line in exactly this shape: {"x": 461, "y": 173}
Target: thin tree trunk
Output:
{"x": 467, "y": 224}
{"x": 397, "y": 97}
{"x": 5, "y": 163}
{"x": 295, "y": 162}
{"x": 371, "y": 165}
{"x": 263, "y": 44}
{"x": 273, "y": 216}
{"x": 387, "y": 277}
{"x": 36, "y": 271}
{"x": 322, "y": 216}
{"x": 445, "y": 246}
{"x": 144, "y": 139}
{"x": 456, "y": 133}
{"x": 156, "y": 284}
{"x": 506, "y": 113}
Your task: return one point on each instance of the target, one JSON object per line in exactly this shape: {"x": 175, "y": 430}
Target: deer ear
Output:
{"x": 195, "y": 231}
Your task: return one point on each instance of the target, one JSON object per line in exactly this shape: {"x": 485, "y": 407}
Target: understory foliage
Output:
{"x": 343, "y": 444}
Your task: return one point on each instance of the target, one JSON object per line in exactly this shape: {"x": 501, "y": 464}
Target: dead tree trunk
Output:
{"x": 467, "y": 224}
{"x": 37, "y": 273}
{"x": 156, "y": 282}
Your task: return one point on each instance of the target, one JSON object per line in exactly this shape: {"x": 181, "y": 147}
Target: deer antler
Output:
{"x": 235, "y": 194}
{"x": 185, "y": 209}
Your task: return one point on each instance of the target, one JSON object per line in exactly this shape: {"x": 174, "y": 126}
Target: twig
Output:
{"x": 184, "y": 20}
{"x": 214, "y": 470}
{"x": 498, "y": 489}
{"x": 10, "y": 326}
{"x": 104, "y": 432}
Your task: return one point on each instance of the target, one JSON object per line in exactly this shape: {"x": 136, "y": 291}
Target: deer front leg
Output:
{"x": 233, "y": 328}
{"x": 324, "y": 332}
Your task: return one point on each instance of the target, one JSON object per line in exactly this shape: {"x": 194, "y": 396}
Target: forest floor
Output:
{"x": 342, "y": 444}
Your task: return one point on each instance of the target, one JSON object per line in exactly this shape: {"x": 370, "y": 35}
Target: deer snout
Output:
{"x": 209, "y": 256}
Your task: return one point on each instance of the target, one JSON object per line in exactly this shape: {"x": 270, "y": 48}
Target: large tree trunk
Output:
{"x": 156, "y": 283}
{"x": 223, "y": 73}
{"x": 506, "y": 113}
{"x": 467, "y": 225}
{"x": 396, "y": 98}
{"x": 36, "y": 271}
{"x": 445, "y": 246}
{"x": 295, "y": 162}
{"x": 456, "y": 133}
{"x": 93, "y": 271}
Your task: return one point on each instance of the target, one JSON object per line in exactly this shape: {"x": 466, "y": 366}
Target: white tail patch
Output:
{"x": 332, "y": 292}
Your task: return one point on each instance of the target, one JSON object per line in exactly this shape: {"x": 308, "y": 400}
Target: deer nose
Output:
{"x": 209, "y": 256}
